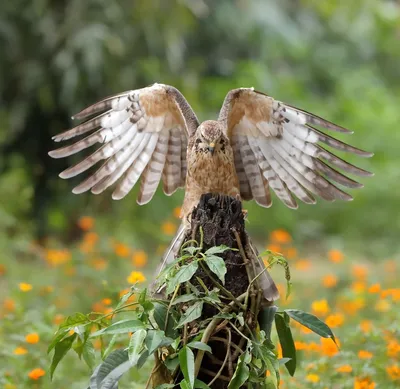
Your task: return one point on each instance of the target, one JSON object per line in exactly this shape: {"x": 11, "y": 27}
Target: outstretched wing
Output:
{"x": 276, "y": 145}
{"x": 143, "y": 133}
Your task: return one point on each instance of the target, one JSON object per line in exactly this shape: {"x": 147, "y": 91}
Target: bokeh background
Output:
{"x": 61, "y": 253}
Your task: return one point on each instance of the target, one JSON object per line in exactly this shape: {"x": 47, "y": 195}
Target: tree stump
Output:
{"x": 219, "y": 220}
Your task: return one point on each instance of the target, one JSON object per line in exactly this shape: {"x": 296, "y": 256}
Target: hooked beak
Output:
{"x": 211, "y": 148}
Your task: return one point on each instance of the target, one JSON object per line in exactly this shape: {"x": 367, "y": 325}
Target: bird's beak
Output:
{"x": 211, "y": 148}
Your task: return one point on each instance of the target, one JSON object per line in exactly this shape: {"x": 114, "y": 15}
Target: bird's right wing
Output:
{"x": 143, "y": 133}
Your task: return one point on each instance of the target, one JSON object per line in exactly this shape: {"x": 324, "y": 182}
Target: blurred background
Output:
{"x": 338, "y": 59}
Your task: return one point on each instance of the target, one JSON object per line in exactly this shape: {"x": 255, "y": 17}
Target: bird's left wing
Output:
{"x": 143, "y": 133}
{"x": 275, "y": 145}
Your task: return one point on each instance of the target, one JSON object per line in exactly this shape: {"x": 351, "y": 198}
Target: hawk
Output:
{"x": 257, "y": 144}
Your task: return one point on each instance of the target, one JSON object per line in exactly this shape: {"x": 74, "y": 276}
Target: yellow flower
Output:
{"x": 320, "y": 307}
{"x": 32, "y": 338}
{"x": 139, "y": 258}
{"x": 280, "y": 236}
{"x": 393, "y": 372}
{"x": 375, "y": 288}
{"x": 358, "y": 286}
{"x": 328, "y": 347}
{"x": 383, "y": 306}
{"x": 35, "y": 374}
{"x": 86, "y": 223}
{"x": 168, "y": 228}
{"x": 335, "y": 320}
{"x": 24, "y": 287}
{"x": 20, "y": 351}
{"x": 335, "y": 256}
{"x": 363, "y": 354}
{"x": 57, "y": 257}
{"x": 344, "y": 369}
{"x": 364, "y": 383}
{"x": 136, "y": 276}
{"x": 329, "y": 281}
{"x": 312, "y": 378}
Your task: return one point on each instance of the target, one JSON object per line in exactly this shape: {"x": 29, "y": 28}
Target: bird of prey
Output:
{"x": 257, "y": 144}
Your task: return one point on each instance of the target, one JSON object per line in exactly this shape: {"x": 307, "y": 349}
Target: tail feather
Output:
{"x": 169, "y": 256}
{"x": 265, "y": 281}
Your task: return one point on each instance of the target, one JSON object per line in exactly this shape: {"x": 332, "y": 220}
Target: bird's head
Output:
{"x": 210, "y": 136}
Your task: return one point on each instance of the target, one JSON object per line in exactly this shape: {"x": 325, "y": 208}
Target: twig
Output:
{"x": 225, "y": 360}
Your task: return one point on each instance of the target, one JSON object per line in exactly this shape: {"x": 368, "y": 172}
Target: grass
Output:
{"x": 358, "y": 298}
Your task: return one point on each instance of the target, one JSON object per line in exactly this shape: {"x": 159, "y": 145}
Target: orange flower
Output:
{"x": 97, "y": 344}
{"x": 393, "y": 348}
{"x": 364, "y": 383}
{"x": 20, "y": 351}
{"x": 320, "y": 307}
{"x": 58, "y": 319}
{"x": 394, "y": 293}
{"x": 329, "y": 281}
{"x": 24, "y": 287}
{"x": 393, "y": 372}
{"x": 291, "y": 253}
{"x": 328, "y": 347}
{"x": 177, "y": 212}
{"x": 335, "y": 256}
{"x": 358, "y": 287}
{"x": 312, "y": 378}
{"x": 335, "y": 320}
{"x": 390, "y": 266}
{"x": 9, "y": 304}
{"x": 57, "y": 257}
{"x": 344, "y": 369}
{"x": 375, "y": 288}
{"x": 168, "y": 228}
{"x": 35, "y": 374}
{"x": 280, "y": 236}
{"x": 2, "y": 269}
{"x": 86, "y": 223}
{"x": 98, "y": 263}
{"x": 136, "y": 276}
{"x": 275, "y": 248}
{"x": 300, "y": 345}
{"x": 366, "y": 326}
{"x": 139, "y": 258}
{"x": 360, "y": 272}
{"x": 121, "y": 250}
{"x": 351, "y": 307}
{"x": 302, "y": 264}
{"x": 32, "y": 338}
{"x": 106, "y": 301}
{"x": 364, "y": 354}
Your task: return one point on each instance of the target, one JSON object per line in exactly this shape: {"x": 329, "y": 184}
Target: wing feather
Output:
{"x": 288, "y": 149}
{"x": 141, "y": 132}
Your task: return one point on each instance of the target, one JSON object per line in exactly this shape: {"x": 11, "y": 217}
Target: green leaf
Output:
{"x": 242, "y": 371}
{"x": 111, "y": 370}
{"x": 312, "y": 322}
{"x": 286, "y": 341}
{"x": 136, "y": 345}
{"x": 75, "y": 320}
{"x": 165, "y": 386}
{"x": 88, "y": 354}
{"x": 217, "y": 250}
{"x": 200, "y": 384}
{"x": 184, "y": 298}
{"x": 272, "y": 379}
{"x": 192, "y": 313}
{"x": 191, "y": 250}
{"x": 185, "y": 273}
{"x": 160, "y": 317}
{"x": 217, "y": 266}
{"x": 120, "y": 327}
{"x": 60, "y": 351}
{"x": 185, "y": 385}
{"x": 200, "y": 346}
{"x": 186, "y": 362}
{"x": 60, "y": 335}
{"x": 153, "y": 340}
{"x": 110, "y": 346}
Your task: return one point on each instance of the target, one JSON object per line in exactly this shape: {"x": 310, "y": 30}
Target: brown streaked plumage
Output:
{"x": 256, "y": 144}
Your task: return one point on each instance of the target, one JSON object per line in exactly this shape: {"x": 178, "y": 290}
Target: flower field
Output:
{"x": 357, "y": 298}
